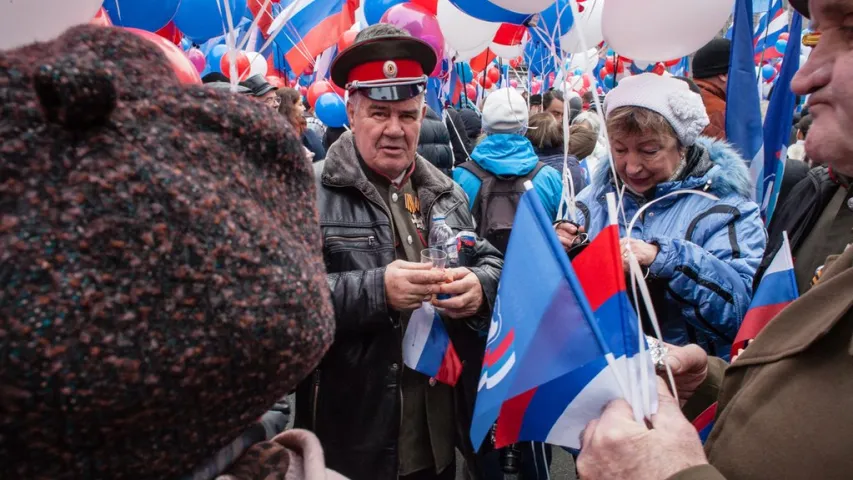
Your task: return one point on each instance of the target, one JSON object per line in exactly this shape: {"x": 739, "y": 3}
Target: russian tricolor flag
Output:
{"x": 427, "y": 347}
{"x": 310, "y": 27}
{"x": 778, "y": 288}
{"x": 555, "y": 355}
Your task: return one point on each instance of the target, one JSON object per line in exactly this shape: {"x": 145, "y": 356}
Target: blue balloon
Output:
{"x": 463, "y": 69}
{"x": 767, "y": 72}
{"x": 330, "y": 109}
{"x": 374, "y": 9}
{"x": 554, "y": 22}
{"x": 609, "y": 81}
{"x": 578, "y": 72}
{"x": 214, "y": 58}
{"x": 781, "y": 46}
{"x": 151, "y": 15}
{"x": 201, "y": 19}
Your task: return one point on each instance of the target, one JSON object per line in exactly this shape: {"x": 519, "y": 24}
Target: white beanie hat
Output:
{"x": 668, "y": 96}
{"x": 505, "y": 111}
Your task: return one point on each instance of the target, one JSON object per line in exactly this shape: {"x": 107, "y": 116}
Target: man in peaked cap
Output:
{"x": 376, "y": 418}
{"x": 781, "y": 409}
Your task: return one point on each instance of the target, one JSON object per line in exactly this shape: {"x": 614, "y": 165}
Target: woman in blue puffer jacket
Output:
{"x": 700, "y": 254}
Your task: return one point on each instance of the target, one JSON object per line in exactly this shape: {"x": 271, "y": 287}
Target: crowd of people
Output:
{"x": 178, "y": 260}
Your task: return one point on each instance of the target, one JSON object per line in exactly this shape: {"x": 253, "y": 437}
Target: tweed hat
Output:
{"x": 163, "y": 283}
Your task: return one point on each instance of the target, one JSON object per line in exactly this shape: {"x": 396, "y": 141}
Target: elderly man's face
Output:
{"x": 386, "y": 133}
{"x": 828, "y": 77}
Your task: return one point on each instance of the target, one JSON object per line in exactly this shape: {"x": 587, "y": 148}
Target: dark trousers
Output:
{"x": 448, "y": 473}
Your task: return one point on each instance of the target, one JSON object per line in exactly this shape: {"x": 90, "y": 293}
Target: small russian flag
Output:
{"x": 704, "y": 423}
{"x": 427, "y": 347}
{"x": 778, "y": 288}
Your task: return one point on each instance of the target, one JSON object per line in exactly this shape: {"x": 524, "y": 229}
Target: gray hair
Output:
{"x": 380, "y": 30}
{"x": 590, "y": 118}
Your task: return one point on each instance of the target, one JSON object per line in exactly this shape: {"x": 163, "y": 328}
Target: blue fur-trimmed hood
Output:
{"x": 728, "y": 176}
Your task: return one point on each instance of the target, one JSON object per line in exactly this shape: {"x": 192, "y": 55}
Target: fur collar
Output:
{"x": 342, "y": 169}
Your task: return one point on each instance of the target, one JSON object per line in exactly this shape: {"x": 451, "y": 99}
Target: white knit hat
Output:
{"x": 668, "y": 96}
{"x": 505, "y": 111}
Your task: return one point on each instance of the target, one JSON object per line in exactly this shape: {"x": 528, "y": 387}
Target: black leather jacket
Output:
{"x": 353, "y": 400}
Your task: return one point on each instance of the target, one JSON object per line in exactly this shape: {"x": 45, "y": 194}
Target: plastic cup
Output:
{"x": 434, "y": 256}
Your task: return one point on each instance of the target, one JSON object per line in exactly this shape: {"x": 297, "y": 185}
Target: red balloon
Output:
{"x": 471, "y": 91}
{"x": 513, "y": 63}
{"x": 276, "y": 81}
{"x": 604, "y": 72}
{"x": 513, "y": 83}
{"x": 244, "y": 66}
{"x": 586, "y": 81}
{"x": 171, "y": 33}
{"x": 303, "y": 91}
{"x": 608, "y": 64}
{"x": 316, "y": 89}
{"x": 486, "y": 82}
{"x": 181, "y": 65}
{"x": 346, "y": 40}
{"x": 493, "y": 74}
{"x": 102, "y": 18}
{"x": 308, "y": 70}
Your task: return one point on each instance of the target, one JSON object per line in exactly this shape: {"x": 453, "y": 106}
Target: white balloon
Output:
{"x": 585, "y": 61}
{"x": 659, "y": 30}
{"x": 523, "y": 6}
{"x": 462, "y": 31}
{"x": 506, "y": 51}
{"x": 258, "y": 63}
{"x": 26, "y": 21}
{"x": 587, "y": 23}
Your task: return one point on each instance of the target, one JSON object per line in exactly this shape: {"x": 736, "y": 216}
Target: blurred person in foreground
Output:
{"x": 376, "y": 418}
{"x": 699, "y": 254}
{"x": 163, "y": 284}
{"x": 781, "y": 405}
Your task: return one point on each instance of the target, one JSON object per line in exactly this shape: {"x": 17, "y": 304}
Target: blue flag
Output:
{"x": 549, "y": 367}
{"x": 743, "y": 108}
{"x": 777, "y": 125}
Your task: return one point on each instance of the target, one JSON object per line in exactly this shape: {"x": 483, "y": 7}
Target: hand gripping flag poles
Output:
{"x": 563, "y": 341}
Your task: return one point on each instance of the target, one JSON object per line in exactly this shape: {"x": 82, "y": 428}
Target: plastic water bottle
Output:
{"x": 441, "y": 237}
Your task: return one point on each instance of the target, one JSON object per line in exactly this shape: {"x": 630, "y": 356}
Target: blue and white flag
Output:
{"x": 777, "y": 124}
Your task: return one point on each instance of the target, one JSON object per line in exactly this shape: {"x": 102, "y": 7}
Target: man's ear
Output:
{"x": 724, "y": 77}
{"x": 351, "y": 107}
{"x": 423, "y": 110}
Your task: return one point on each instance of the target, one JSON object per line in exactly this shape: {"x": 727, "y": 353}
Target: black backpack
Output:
{"x": 496, "y": 202}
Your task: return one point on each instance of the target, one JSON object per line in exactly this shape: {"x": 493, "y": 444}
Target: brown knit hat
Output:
{"x": 163, "y": 282}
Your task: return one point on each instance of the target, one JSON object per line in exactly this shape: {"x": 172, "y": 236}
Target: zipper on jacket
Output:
{"x": 370, "y": 240}
{"x": 316, "y": 389}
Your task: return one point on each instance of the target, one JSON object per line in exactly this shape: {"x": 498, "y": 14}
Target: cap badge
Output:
{"x": 390, "y": 69}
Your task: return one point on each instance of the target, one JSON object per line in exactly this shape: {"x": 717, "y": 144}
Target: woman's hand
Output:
{"x": 568, "y": 234}
{"x": 645, "y": 252}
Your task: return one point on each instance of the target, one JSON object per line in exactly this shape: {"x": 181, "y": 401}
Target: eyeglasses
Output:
{"x": 273, "y": 102}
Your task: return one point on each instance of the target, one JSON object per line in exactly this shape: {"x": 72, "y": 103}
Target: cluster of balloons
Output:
{"x": 328, "y": 103}
{"x": 416, "y": 17}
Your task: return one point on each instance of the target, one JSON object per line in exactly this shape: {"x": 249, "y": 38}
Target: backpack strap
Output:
{"x": 486, "y": 181}
{"x": 530, "y": 175}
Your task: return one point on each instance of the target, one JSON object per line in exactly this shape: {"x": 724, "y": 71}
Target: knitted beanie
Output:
{"x": 667, "y": 96}
{"x": 505, "y": 111}
{"x": 712, "y": 59}
{"x": 163, "y": 282}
